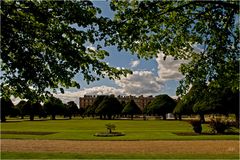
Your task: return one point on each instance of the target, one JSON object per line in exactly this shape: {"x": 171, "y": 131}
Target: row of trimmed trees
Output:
{"x": 199, "y": 100}
{"x": 51, "y": 107}
{"x": 108, "y": 107}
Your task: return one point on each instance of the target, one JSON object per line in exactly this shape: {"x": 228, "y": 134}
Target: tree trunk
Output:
{"x": 32, "y": 117}
{"x": 3, "y": 118}
{"x": 175, "y": 116}
{"x": 53, "y": 117}
{"x": 237, "y": 120}
{"x": 131, "y": 117}
{"x": 202, "y": 119}
{"x": 180, "y": 117}
{"x": 164, "y": 117}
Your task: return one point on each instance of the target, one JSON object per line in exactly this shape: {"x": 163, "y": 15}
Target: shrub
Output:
{"x": 109, "y": 132}
{"x": 197, "y": 126}
{"x": 219, "y": 125}
{"x": 110, "y": 127}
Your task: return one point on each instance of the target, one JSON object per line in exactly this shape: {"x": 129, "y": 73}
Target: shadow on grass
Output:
{"x": 20, "y": 155}
{"x": 27, "y": 132}
{"x": 204, "y": 133}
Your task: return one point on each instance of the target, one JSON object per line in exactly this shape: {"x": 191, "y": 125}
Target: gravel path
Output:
{"x": 118, "y": 147}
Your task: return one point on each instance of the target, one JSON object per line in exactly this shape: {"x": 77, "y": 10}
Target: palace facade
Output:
{"x": 141, "y": 101}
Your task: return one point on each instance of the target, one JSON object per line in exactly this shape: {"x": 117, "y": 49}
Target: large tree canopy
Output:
{"x": 204, "y": 32}
{"x": 209, "y": 100}
{"x": 43, "y": 45}
{"x": 223, "y": 101}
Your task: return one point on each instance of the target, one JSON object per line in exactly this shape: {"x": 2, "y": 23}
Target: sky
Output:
{"x": 150, "y": 77}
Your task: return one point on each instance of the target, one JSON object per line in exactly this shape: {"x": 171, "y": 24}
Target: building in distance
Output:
{"x": 141, "y": 101}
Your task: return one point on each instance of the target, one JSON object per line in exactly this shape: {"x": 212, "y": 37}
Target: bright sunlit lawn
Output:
{"x": 78, "y": 129}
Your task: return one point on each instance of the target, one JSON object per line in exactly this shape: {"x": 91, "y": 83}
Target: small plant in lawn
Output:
{"x": 109, "y": 132}
{"x": 110, "y": 127}
{"x": 219, "y": 125}
{"x": 197, "y": 126}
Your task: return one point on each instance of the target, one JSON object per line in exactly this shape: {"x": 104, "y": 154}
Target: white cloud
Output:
{"x": 168, "y": 68}
{"x": 100, "y": 90}
{"x": 90, "y": 48}
{"x": 140, "y": 83}
{"x": 134, "y": 63}
{"x": 119, "y": 68}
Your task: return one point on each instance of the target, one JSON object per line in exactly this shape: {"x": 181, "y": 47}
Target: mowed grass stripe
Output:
{"x": 85, "y": 130}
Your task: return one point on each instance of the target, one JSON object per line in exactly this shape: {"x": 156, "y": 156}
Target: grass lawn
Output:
{"x": 78, "y": 129}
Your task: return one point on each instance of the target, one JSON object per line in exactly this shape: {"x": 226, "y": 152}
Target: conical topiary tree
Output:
{"x": 161, "y": 105}
{"x": 110, "y": 106}
{"x": 131, "y": 108}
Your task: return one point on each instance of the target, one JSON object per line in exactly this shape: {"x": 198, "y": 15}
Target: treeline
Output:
{"x": 104, "y": 107}
{"x": 199, "y": 100}
{"x": 51, "y": 107}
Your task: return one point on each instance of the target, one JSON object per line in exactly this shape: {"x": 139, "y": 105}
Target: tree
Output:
{"x": 6, "y": 107}
{"x": 36, "y": 109}
{"x": 71, "y": 109}
{"x": 91, "y": 110}
{"x": 43, "y": 45}
{"x": 29, "y": 108}
{"x": 82, "y": 112}
{"x": 131, "y": 108}
{"x": 22, "y": 108}
{"x": 110, "y": 106}
{"x": 206, "y": 33}
{"x": 161, "y": 105}
{"x": 209, "y": 100}
{"x": 188, "y": 101}
{"x": 218, "y": 101}
{"x": 182, "y": 108}
{"x": 53, "y": 107}
{"x": 14, "y": 112}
